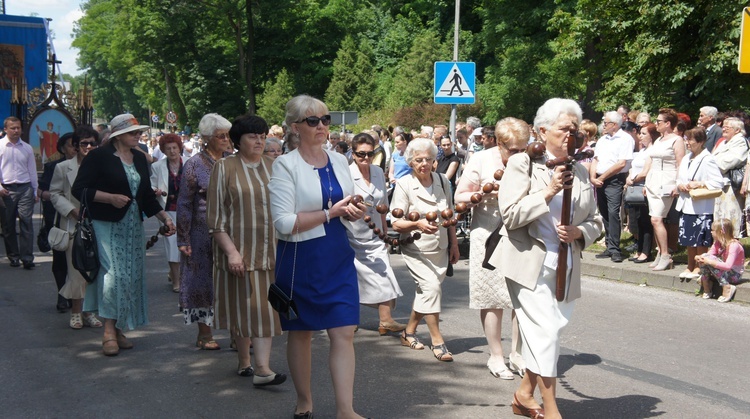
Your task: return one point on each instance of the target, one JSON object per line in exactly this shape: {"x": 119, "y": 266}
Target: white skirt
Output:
{"x": 377, "y": 282}
{"x": 170, "y": 243}
{"x": 541, "y": 320}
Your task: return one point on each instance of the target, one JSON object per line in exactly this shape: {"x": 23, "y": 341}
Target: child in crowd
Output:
{"x": 724, "y": 262}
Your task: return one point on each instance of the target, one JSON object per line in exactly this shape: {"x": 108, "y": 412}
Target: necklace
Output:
{"x": 330, "y": 187}
{"x": 174, "y": 168}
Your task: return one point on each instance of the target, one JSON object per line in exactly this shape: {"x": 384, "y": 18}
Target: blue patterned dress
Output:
{"x": 121, "y": 283}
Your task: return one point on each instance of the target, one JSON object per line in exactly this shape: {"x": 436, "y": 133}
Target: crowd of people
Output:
{"x": 245, "y": 206}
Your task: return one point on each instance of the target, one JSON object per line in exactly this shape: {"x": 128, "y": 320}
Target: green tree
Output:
{"x": 352, "y": 85}
{"x": 274, "y": 96}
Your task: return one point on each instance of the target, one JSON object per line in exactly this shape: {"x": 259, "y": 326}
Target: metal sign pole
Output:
{"x": 455, "y": 59}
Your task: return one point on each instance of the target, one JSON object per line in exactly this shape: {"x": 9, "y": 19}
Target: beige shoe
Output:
{"x": 75, "y": 321}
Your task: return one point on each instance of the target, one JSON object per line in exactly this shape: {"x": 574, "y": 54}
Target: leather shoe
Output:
{"x": 29, "y": 265}
{"x": 617, "y": 257}
{"x": 643, "y": 260}
{"x": 604, "y": 255}
{"x": 14, "y": 263}
{"x": 522, "y": 410}
{"x": 62, "y": 304}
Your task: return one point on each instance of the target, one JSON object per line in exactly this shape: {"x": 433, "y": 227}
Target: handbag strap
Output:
{"x": 696, "y": 168}
{"x": 294, "y": 260}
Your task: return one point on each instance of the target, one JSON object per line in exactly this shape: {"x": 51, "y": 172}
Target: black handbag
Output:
{"x": 736, "y": 176}
{"x": 634, "y": 195}
{"x": 41, "y": 239}
{"x": 85, "y": 253}
{"x": 281, "y": 302}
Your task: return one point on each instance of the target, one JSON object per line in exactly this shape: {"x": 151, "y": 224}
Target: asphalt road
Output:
{"x": 629, "y": 352}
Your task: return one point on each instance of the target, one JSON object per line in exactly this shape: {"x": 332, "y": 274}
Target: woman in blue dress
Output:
{"x": 310, "y": 204}
{"x": 114, "y": 184}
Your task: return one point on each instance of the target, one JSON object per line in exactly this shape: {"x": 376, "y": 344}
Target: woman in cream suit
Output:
{"x": 730, "y": 152}
{"x": 530, "y": 210}
{"x": 166, "y": 176}
{"x": 427, "y": 258}
{"x": 84, "y": 139}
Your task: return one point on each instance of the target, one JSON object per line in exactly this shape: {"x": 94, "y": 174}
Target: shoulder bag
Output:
{"x": 281, "y": 302}
{"x": 58, "y": 238}
{"x": 85, "y": 252}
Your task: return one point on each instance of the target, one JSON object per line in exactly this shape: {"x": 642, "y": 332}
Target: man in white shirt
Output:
{"x": 19, "y": 182}
{"x": 609, "y": 168}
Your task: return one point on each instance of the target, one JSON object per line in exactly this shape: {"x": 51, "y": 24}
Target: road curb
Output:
{"x": 642, "y": 274}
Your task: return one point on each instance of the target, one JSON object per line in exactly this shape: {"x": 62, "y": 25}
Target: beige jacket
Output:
{"x": 61, "y": 195}
{"x": 520, "y": 254}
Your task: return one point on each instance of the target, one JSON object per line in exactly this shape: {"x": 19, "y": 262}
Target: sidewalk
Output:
{"x": 641, "y": 274}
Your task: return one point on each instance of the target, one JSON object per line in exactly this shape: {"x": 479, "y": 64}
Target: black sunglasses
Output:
{"x": 87, "y": 144}
{"x": 313, "y": 121}
{"x": 363, "y": 154}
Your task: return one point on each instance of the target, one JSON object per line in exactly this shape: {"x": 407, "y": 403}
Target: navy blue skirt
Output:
{"x": 695, "y": 230}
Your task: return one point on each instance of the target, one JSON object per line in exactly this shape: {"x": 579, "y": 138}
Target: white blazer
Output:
{"x": 295, "y": 188}
{"x": 703, "y": 168}
{"x": 160, "y": 178}
{"x": 60, "y": 193}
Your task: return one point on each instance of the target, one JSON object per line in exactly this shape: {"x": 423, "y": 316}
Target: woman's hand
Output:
{"x": 568, "y": 234}
{"x": 454, "y": 253}
{"x": 118, "y": 201}
{"x": 425, "y": 227}
{"x": 557, "y": 183}
{"x": 158, "y": 192}
{"x": 170, "y": 228}
{"x": 186, "y": 250}
{"x": 694, "y": 184}
{"x": 683, "y": 188}
{"x": 346, "y": 209}
{"x": 236, "y": 264}
{"x": 628, "y": 181}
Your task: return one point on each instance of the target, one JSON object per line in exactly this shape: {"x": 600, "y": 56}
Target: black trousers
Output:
{"x": 609, "y": 201}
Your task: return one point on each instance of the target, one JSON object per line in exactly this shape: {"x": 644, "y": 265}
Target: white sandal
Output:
{"x": 75, "y": 321}
{"x": 499, "y": 370}
{"x": 90, "y": 320}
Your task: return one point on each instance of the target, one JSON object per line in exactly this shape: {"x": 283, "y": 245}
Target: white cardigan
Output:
{"x": 160, "y": 178}
{"x": 702, "y": 168}
{"x": 295, "y": 188}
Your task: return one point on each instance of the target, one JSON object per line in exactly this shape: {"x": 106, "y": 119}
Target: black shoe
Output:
{"x": 14, "y": 263}
{"x": 604, "y": 255}
{"x": 246, "y": 372}
{"x": 617, "y": 257}
{"x": 29, "y": 265}
{"x": 631, "y": 248}
{"x": 643, "y": 260}
{"x": 305, "y": 415}
{"x": 62, "y": 304}
{"x": 268, "y": 380}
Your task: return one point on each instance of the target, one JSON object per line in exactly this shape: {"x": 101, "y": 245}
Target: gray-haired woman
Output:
{"x": 427, "y": 258}
{"x": 273, "y": 147}
{"x": 193, "y": 238}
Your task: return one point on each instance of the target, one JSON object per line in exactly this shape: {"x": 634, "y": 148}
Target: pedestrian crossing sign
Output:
{"x": 454, "y": 83}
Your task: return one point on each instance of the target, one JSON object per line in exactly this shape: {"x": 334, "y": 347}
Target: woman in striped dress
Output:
{"x": 239, "y": 219}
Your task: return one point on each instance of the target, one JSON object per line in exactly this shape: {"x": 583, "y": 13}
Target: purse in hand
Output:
{"x": 702, "y": 193}
{"x": 85, "y": 251}
{"x": 634, "y": 195}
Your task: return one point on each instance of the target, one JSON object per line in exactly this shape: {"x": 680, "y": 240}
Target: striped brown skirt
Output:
{"x": 241, "y": 304}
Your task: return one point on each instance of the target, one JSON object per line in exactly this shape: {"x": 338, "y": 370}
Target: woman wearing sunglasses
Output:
{"x": 378, "y": 287}
{"x": 486, "y": 293}
{"x": 311, "y": 190}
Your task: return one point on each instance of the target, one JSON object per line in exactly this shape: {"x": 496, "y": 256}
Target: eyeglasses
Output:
{"x": 607, "y": 122}
{"x": 313, "y": 121}
{"x": 363, "y": 154}
{"x": 423, "y": 160}
{"x": 659, "y": 121}
{"x": 87, "y": 144}
{"x": 223, "y": 136}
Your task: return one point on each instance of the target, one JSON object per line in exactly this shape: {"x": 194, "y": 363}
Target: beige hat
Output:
{"x": 124, "y": 123}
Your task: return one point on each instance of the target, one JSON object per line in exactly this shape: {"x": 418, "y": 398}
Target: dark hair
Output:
{"x": 488, "y": 131}
{"x": 405, "y": 136}
{"x": 698, "y": 134}
{"x": 84, "y": 131}
{"x": 247, "y": 124}
{"x": 170, "y": 138}
{"x": 343, "y": 146}
{"x": 628, "y": 126}
{"x": 363, "y": 138}
{"x": 62, "y": 140}
{"x": 670, "y": 115}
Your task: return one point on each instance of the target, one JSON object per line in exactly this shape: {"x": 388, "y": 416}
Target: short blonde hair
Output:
{"x": 509, "y": 129}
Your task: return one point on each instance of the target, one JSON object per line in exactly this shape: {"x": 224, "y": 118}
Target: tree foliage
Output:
{"x": 231, "y": 56}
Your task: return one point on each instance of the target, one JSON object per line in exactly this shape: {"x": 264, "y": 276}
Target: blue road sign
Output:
{"x": 454, "y": 83}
